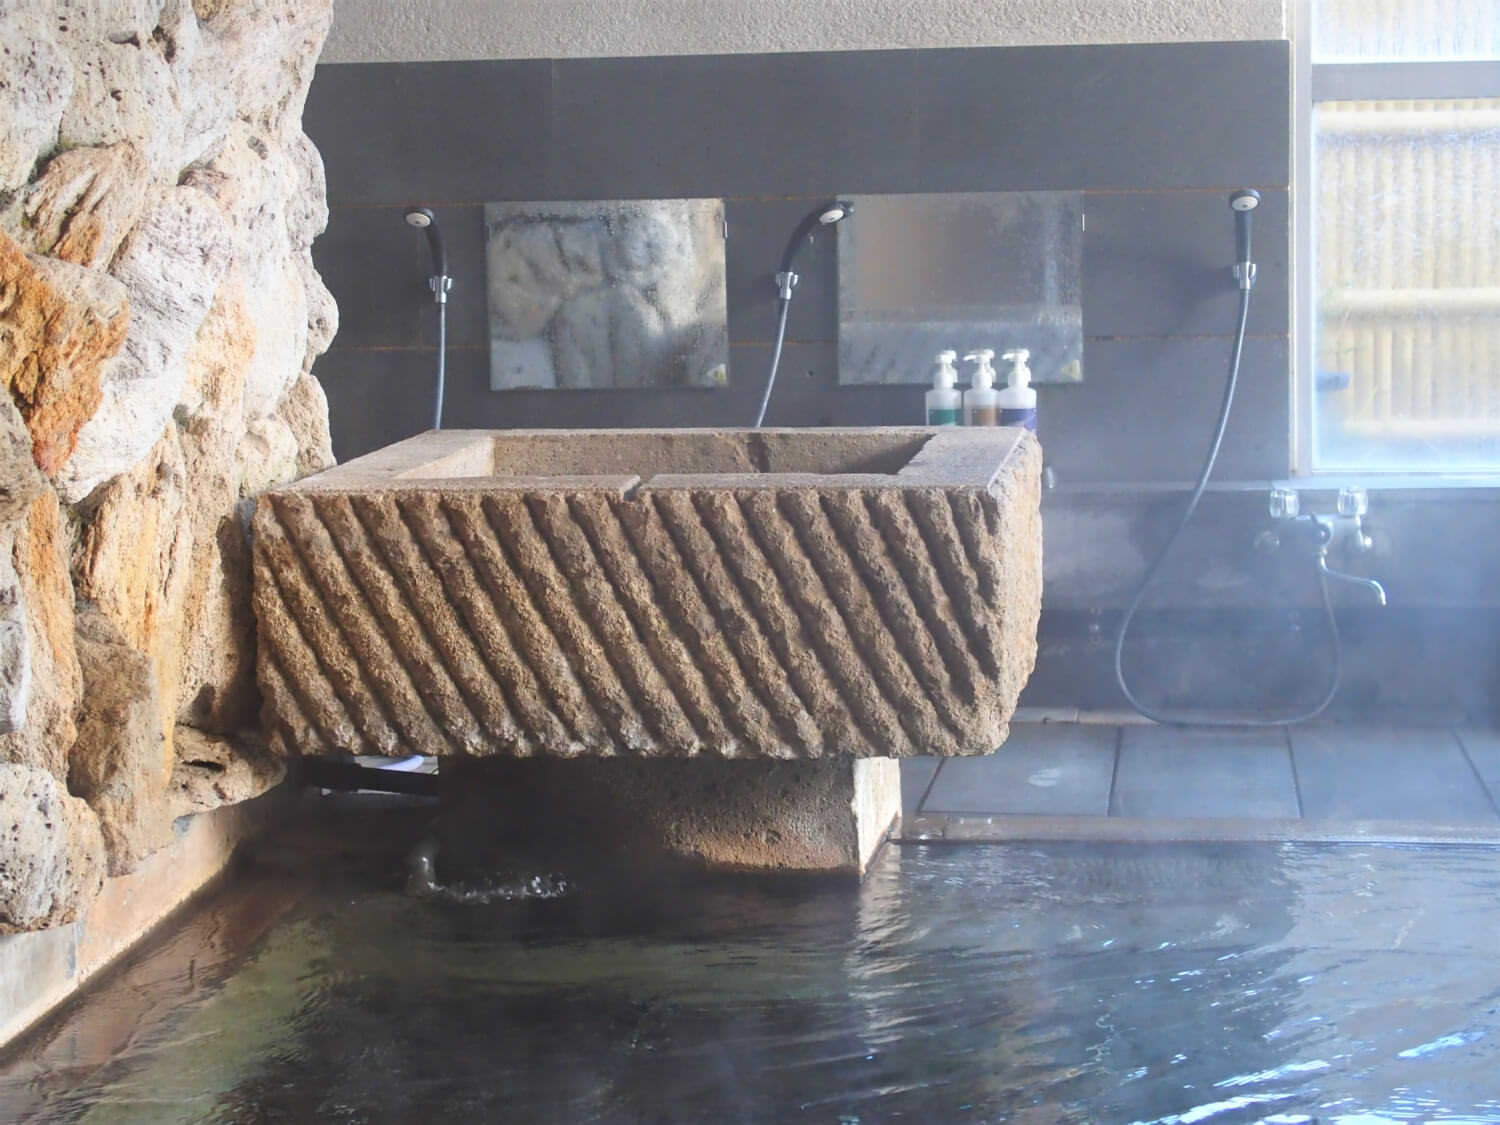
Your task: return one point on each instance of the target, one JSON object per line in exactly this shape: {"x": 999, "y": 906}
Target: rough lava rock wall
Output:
{"x": 159, "y": 315}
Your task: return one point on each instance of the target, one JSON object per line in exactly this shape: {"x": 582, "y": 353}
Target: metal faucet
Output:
{"x": 1346, "y": 527}
{"x": 1368, "y": 583}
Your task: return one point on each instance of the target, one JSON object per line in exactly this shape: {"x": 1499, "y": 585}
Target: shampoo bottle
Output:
{"x": 944, "y": 406}
{"x": 981, "y": 402}
{"x": 1018, "y": 400}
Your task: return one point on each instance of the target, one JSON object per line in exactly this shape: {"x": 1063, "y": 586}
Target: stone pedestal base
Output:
{"x": 827, "y": 815}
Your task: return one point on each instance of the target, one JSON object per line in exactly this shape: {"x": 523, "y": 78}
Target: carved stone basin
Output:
{"x": 705, "y": 594}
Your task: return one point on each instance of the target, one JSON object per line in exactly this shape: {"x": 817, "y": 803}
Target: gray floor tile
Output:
{"x": 1354, "y": 773}
{"x": 1171, "y": 772}
{"x": 916, "y": 776}
{"x": 1042, "y": 770}
{"x": 1484, "y": 751}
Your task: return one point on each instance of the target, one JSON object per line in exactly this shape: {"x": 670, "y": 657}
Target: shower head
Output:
{"x": 1242, "y": 203}
{"x": 424, "y": 220}
{"x": 827, "y": 215}
{"x": 835, "y": 212}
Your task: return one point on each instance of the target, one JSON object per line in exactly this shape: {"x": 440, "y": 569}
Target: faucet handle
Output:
{"x": 1353, "y": 502}
{"x": 1284, "y": 503}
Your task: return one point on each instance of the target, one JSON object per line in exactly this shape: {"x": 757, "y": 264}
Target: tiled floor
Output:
{"x": 1325, "y": 778}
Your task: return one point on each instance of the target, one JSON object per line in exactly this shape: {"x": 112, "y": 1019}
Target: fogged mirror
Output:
{"x": 606, "y": 294}
{"x": 921, "y": 273}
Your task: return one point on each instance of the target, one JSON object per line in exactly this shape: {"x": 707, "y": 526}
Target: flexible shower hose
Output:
{"x": 1167, "y": 717}
{"x": 437, "y": 413}
{"x": 765, "y": 399}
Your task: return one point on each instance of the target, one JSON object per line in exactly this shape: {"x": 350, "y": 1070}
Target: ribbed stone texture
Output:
{"x": 762, "y": 594}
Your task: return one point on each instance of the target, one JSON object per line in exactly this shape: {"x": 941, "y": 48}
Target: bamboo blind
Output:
{"x": 1408, "y": 261}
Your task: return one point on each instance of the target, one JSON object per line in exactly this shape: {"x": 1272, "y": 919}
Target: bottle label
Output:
{"x": 1024, "y": 417}
{"x": 942, "y": 416}
{"x": 984, "y": 416}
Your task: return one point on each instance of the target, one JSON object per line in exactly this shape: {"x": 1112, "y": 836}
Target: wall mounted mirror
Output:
{"x": 607, "y": 294}
{"x": 920, "y": 273}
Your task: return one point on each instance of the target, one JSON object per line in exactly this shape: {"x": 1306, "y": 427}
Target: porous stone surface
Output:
{"x": 118, "y": 763}
{"x": 35, "y": 86}
{"x": 159, "y": 316}
{"x": 211, "y": 771}
{"x": 39, "y": 549}
{"x": 59, "y": 322}
{"x": 51, "y": 853}
{"x": 15, "y": 650}
{"x": 20, "y": 486}
{"x": 85, "y": 202}
{"x": 767, "y": 594}
{"x": 170, "y": 265}
{"x": 828, "y": 816}
{"x": 20, "y": 482}
{"x": 400, "y": 30}
{"x": 304, "y": 412}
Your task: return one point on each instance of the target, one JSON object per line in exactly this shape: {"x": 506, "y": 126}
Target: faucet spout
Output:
{"x": 1353, "y": 579}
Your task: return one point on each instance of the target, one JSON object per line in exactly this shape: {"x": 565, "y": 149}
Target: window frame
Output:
{"x": 1314, "y": 82}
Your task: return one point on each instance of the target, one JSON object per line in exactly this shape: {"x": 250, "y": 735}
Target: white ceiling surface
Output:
{"x": 432, "y": 30}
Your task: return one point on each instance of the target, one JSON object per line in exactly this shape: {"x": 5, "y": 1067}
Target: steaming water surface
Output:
{"x": 1058, "y": 983}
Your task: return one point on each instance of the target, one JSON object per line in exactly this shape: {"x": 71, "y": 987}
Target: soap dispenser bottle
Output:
{"x": 1018, "y": 400}
{"x": 981, "y": 402}
{"x": 944, "y": 404}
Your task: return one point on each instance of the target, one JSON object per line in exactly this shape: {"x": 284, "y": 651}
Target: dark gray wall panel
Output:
{"x": 432, "y": 132}
{"x": 376, "y": 267}
{"x": 376, "y": 397}
{"x": 1158, "y": 264}
{"x": 1146, "y": 408}
{"x": 1148, "y": 116}
{"x": 1401, "y": 666}
{"x": 735, "y": 125}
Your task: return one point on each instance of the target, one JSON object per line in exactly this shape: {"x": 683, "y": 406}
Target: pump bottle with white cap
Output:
{"x": 981, "y": 403}
{"x": 944, "y": 405}
{"x": 1018, "y": 400}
